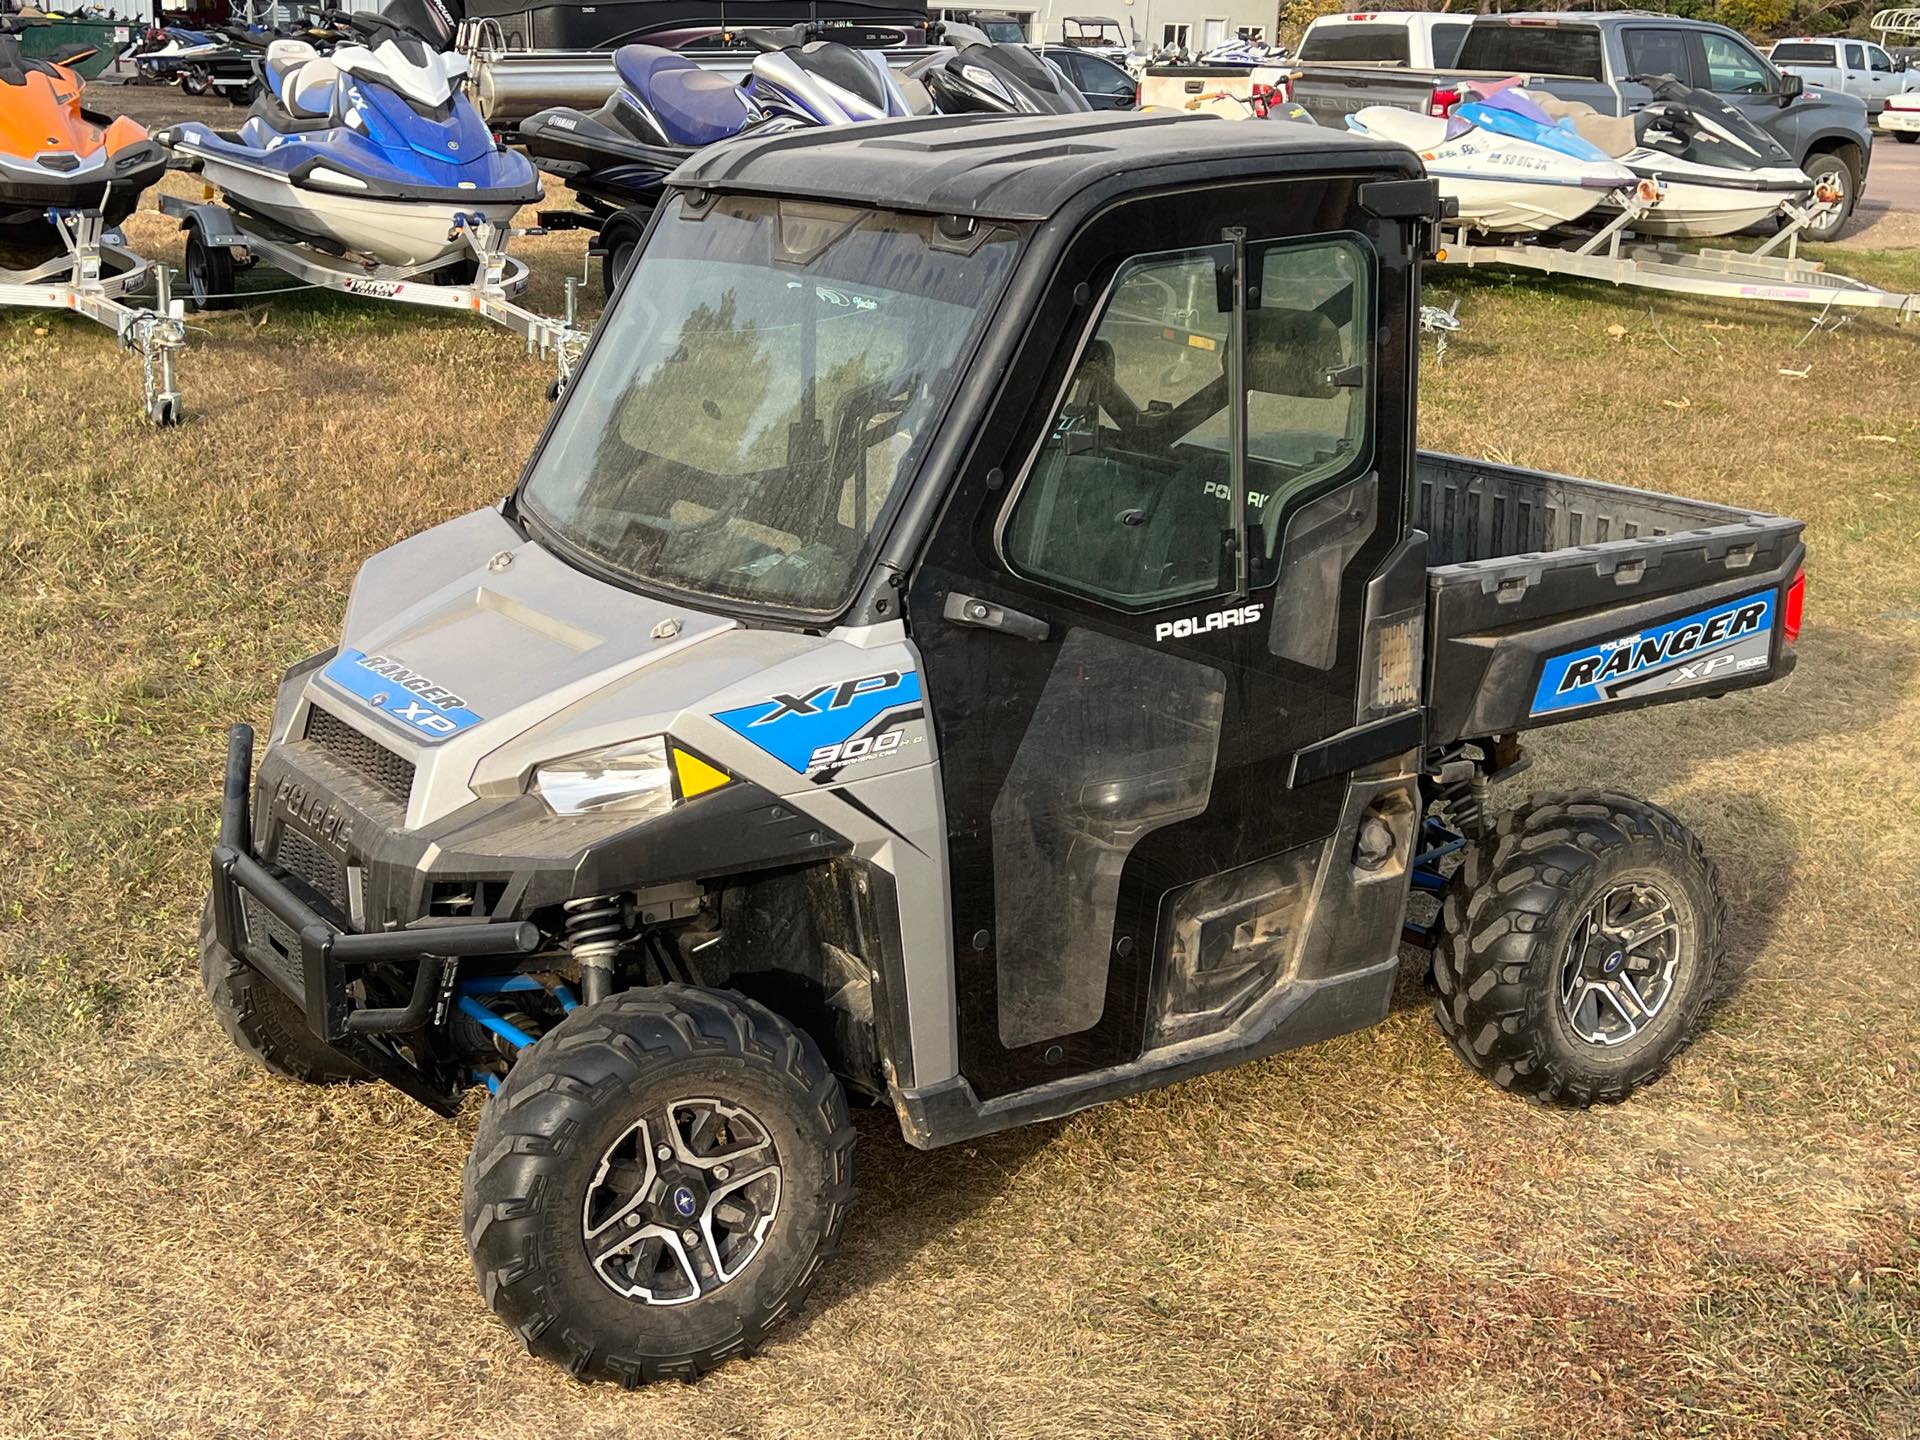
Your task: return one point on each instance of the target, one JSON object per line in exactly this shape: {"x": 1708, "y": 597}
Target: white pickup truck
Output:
{"x": 1853, "y": 67}
{"x": 1422, "y": 41}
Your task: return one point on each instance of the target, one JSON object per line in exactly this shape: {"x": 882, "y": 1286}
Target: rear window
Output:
{"x": 1545, "y": 49}
{"x": 1802, "y": 55}
{"x": 1380, "y": 43}
{"x": 1447, "y": 40}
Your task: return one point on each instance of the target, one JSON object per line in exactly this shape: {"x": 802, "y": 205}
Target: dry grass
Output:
{"x": 1355, "y": 1239}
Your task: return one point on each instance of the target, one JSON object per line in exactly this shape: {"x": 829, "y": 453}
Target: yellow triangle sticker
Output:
{"x": 695, "y": 775}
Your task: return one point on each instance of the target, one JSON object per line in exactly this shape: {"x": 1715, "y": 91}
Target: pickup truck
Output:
{"x": 1421, "y": 39}
{"x": 1854, "y": 67}
{"x": 1600, "y": 59}
{"x": 977, "y": 634}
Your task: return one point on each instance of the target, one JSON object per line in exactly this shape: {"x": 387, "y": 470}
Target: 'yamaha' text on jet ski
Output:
{"x": 1509, "y": 167}
{"x": 57, "y": 156}
{"x": 373, "y": 150}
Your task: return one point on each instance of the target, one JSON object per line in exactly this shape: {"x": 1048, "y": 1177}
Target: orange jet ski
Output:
{"x": 56, "y": 155}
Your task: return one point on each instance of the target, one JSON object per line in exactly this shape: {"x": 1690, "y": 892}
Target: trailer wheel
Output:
{"x": 658, "y": 1183}
{"x": 194, "y": 81}
{"x": 1581, "y": 942}
{"x": 619, "y": 243}
{"x": 261, "y": 1021}
{"x": 209, "y": 273}
{"x": 1906, "y": 137}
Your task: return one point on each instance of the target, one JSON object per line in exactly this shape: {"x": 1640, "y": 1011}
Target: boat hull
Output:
{"x": 401, "y": 233}
{"x": 1510, "y": 207}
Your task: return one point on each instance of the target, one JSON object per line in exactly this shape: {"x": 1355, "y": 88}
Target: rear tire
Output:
{"x": 586, "y": 1239}
{"x": 1906, "y": 137}
{"x": 1545, "y": 999}
{"x": 262, "y": 1022}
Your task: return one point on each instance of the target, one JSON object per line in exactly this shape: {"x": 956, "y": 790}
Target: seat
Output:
{"x": 694, "y": 106}
{"x": 300, "y": 79}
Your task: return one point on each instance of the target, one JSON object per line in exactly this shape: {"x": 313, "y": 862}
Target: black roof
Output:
{"x": 1026, "y": 167}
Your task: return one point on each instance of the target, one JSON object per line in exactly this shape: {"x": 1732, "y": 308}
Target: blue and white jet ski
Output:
{"x": 370, "y": 151}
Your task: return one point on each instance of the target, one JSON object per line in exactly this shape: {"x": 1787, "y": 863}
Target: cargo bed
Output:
{"x": 1551, "y": 598}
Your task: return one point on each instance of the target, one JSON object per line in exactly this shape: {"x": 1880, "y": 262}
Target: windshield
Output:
{"x": 770, "y": 376}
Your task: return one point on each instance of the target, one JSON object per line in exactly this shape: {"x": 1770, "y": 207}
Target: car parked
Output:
{"x": 1106, "y": 85}
{"x": 1853, "y": 67}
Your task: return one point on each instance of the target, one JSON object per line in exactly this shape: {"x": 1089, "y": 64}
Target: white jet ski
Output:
{"x": 1511, "y": 169}
{"x": 1718, "y": 171}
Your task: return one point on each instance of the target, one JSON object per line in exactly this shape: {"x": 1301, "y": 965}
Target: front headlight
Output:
{"x": 639, "y": 777}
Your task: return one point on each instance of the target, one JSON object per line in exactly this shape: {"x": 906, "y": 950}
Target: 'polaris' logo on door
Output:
{"x": 1189, "y": 626}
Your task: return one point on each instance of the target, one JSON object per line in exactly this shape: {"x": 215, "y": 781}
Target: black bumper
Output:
{"x": 329, "y": 956}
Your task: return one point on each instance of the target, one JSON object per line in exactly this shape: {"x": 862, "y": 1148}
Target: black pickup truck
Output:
{"x": 977, "y": 633}
{"x": 1603, "y": 60}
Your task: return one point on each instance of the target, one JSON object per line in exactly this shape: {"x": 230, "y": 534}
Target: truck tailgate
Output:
{"x": 1552, "y": 598}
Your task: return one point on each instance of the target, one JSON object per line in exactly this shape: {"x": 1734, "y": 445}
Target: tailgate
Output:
{"x": 1553, "y": 598}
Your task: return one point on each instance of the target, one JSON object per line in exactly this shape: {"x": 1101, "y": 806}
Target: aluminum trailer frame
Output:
{"x": 1617, "y": 257}
{"x": 499, "y": 278}
{"x": 92, "y": 280}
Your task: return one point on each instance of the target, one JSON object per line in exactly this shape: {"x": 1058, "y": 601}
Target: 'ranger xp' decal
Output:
{"x": 425, "y": 710}
{"x": 1732, "y": 638}
{"x": 828, "y": 727}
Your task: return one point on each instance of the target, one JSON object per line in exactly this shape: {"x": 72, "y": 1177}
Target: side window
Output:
{"x": 1733, "y": 69}
{"x": 1099, "y": 78}
{"x": 1447, "y": 40}
{"x": 1309, "y": 380}
{"x": 1856, "y": 58}
{"x": 1128, "y": 499}
{"x": 1881, "y": 62}
{"x": 1656, "y": 50}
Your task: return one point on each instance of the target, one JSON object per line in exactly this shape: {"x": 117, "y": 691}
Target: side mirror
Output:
{"x": 1790, "y": 87}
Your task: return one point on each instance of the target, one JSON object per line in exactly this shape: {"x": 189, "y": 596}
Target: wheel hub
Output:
{"x": 1621, "y": 964}
{"x": 682, "y": 1201}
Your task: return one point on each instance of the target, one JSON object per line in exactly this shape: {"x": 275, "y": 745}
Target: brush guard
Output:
{"x": 92, "y": 280}
{"x": 330, "y": 957}
{"x": 499, "y": 279}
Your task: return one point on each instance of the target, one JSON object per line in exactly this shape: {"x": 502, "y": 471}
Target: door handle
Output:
{"x": 985, "y": 615}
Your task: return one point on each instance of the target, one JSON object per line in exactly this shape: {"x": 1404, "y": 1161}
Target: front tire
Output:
{"x": 1582, "y": 941}
{"x": 658, "y": 1183}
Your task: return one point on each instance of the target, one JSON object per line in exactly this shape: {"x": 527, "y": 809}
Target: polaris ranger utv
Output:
{"x": 976, "y": 635}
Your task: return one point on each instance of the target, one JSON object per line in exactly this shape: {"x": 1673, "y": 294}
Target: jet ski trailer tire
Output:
{"x": 1772, "y": 270}
{"x": 221, "y": 241}
{"x": 92, "y": 279}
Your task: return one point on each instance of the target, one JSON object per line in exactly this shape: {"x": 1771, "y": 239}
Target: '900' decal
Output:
{"x": 1733, "y": 638}
{"x": 821, "y": 730}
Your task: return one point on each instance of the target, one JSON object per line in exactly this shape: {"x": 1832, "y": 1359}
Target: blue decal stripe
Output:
{"x": 791, "y": 728}
{"x": 391, "y": 699}
{"x": 1591, "y": 674}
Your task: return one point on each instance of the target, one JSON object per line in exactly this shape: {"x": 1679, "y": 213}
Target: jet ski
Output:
{"x": 666, "y": 107}
{"x": 1718, "y": 172}
{"x": 982, "y": 77}
{"x": 56, "y": 155}
{"x": 372, "y": 151}
{"x": 1511, "y": 169}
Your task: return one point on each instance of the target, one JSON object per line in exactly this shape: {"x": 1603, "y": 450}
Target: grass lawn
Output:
{"x": 1356, "y": 1238}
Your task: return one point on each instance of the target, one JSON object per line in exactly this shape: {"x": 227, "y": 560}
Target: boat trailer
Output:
{"x": 1772, "y": 270}
{"x": 93, "y": 279}
{"x": 219, "y": 241}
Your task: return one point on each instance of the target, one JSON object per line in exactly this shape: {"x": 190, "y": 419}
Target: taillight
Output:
{"x": 1443, "y": 101}
{"x": 1790, "y": 612}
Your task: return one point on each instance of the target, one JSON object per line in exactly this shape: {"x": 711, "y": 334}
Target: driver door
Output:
{"x": 1142, "y": 604}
